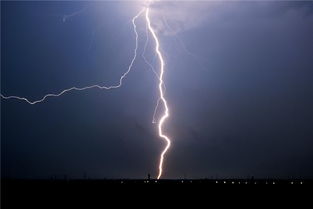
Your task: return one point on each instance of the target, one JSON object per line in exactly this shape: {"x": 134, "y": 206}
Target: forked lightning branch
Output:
{"x": 144, "y": 13}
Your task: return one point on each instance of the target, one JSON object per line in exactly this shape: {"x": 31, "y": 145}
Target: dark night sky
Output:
{"x": 241, "y": 104}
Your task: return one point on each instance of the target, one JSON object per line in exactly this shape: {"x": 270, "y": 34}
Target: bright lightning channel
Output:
{"x": 160, "y": 86}
{"x": 162, "y": 97}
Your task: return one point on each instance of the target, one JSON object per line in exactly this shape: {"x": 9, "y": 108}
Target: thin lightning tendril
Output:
{"x": 161, "y": 85}
{"x": 155, "y": 110}
{"x": 143, "y": 54}
{"x": 152, "y": 69}
{"x": 92, "y": 86}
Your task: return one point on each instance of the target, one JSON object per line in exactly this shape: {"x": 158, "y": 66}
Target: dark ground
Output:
{"x": 47, "y": 193}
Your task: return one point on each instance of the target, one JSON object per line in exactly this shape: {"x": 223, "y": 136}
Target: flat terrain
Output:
{"x": 30, "y": 193}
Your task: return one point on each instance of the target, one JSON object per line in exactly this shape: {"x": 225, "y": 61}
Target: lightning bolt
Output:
{"x": 161, "y": 86}
{"x": 162, "y": 97}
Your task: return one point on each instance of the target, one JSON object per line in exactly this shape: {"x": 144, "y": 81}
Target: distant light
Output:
{"x": 233, "y": 182}
{"x": 273, "y": 182}
{"x": 190, "y": 181}
{"x": 254, "y": 182}
{"x": 122, "y": 182}
{"x": 301, "y": 182}
{"x": 182, "y": 181}
{"x": 224, "y": 182}
{"x": 156, "y": 181}
{"x": 239, "y": 182}
{"x": 291, "y": 182}
{"x": 216, "y": 182}
{"x": 246, "y": 182}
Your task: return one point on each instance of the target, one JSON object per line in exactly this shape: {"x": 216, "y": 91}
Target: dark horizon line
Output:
{"x": 163, "y": 179}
